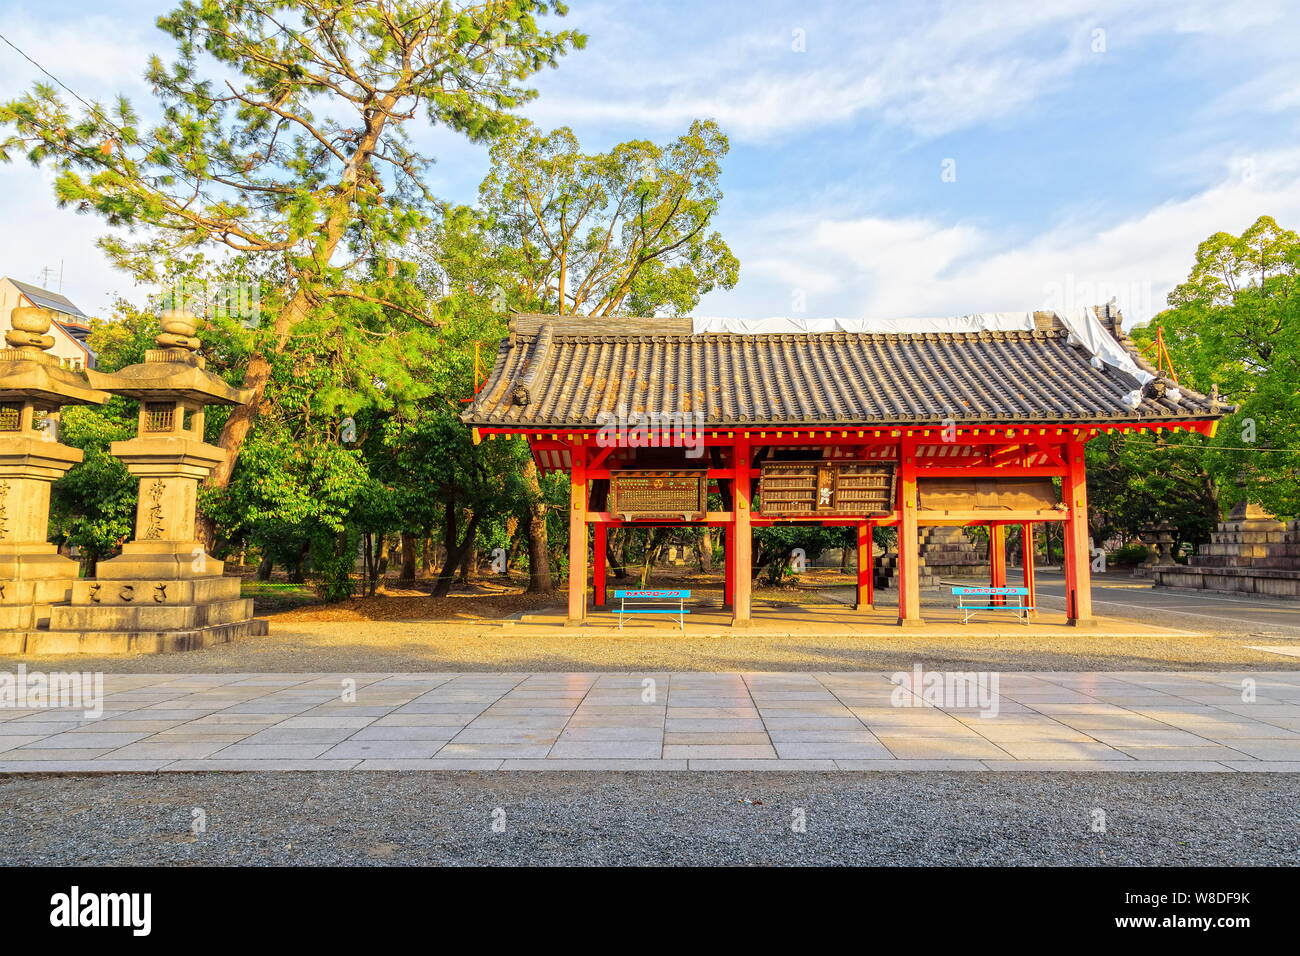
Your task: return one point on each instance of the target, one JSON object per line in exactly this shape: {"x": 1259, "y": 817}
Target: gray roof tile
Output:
{"x": 564, "y": 371}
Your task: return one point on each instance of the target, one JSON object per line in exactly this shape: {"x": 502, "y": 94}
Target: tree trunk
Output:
{"x": 456, "y": 551}
{"x": 265, "y": 566}
{"x": 613, "y": 556}
{"x": 654, "y": 548}
{"x": 408, "y": 557}
{"x": 374, "y": 545}
{"x": 468, "y": 565}
{"x": 705, "y": 550}
{"x": 296, "y": 575}
{"x": 539, "y": 558}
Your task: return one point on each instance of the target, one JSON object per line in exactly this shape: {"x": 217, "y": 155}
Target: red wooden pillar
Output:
{"x": 997, "y": 560}
{"x": 909, "y": 546}
{"x": 742, "y": 563}
{"x": 1027, "y": 559}
{"x": 598, "y": 564}
{"x": 729, "y": 566}
{"x": 866, "y": 596}
{"x": 1078, "y": 571}
{"x": 578, "y": 534}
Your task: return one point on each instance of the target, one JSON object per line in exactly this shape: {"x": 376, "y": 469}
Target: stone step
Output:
{"x": 154, "y": 617}
{"x": 129, "y": 642}
{"x": 108, "y": 592}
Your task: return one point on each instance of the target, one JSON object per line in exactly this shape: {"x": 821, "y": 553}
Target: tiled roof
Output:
{"x": 564, "y": 371}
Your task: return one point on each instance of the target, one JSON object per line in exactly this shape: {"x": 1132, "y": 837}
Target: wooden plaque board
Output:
{"x": 826, "y": 487}
{"x": 646, "y": 495}
{"x": 987, "y": 494}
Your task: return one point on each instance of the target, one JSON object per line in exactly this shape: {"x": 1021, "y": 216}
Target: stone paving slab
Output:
{"x": 1192, "y": 722}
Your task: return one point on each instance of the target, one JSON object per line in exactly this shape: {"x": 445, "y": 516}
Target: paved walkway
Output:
{"x": 1201, "y": 721}
{"x": 1120, "y": 595}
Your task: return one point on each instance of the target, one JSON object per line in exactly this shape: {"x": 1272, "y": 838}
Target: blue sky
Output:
{"x": 1089, "y": 146}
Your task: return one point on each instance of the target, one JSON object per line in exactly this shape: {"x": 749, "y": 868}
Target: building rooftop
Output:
{"x": 49, "y": 300}
{"x": 565, "y": 371}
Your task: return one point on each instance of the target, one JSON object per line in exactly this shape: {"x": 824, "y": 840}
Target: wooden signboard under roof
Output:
{"x": 988, "y": 494}
{"x": 827, "y": 487}
{"x": 647, "y": 495}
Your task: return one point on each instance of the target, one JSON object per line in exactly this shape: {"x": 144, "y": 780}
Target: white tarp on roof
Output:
{"x": 1085, "y": 328}
{"x": 1088, "y": 331}
{"x": 979, "y": 322}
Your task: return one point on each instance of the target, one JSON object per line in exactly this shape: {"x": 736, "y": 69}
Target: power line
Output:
{"x": 90, "y": 106}
{"x": 1283, "y": 451}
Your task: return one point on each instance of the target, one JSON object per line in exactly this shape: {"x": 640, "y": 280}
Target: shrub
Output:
{"x": 1130, "y": 556}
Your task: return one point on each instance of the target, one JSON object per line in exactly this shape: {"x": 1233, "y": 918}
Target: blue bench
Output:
{"x": 970, "y": 600}
{"x": 652, "y": 601}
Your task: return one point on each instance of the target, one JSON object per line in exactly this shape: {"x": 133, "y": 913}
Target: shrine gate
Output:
{"x": 978, "y": 420}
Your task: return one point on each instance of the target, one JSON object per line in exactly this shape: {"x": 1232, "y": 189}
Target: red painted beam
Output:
{"x": 983, "y": 434}
{"x": 865, "y": 596}
{"x": 1027, "y": 559}
{"x": 997, "y": 560}
{"x": 909, "y": 545}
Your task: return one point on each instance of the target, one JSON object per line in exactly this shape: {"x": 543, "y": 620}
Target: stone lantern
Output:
{"x": 164, "y": 592}
{"x": 33, "y": 387}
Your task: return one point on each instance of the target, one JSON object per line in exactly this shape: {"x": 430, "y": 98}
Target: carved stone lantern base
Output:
{"x": 31, "y": 581}
{"x": 164, "y": 592}
{"x": 147, "y": 616}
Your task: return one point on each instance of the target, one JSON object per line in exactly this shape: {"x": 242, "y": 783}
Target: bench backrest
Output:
{"x": 652, "y": 593}
{"x": 994, "y": 591}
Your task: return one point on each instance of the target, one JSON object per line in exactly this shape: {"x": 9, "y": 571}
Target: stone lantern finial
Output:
{"x": 30, "y": 325}
{"x": 178, "y": 328}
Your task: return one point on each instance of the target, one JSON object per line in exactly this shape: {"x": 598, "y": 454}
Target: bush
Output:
{"x": 333, "y": 558}
{"x": 1130, "y": 556}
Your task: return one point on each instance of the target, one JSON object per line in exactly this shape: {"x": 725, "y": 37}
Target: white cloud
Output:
{"x": 880, "y": 267}
{"x": 39, "y": 236}
{"x": 930, "y": 71}
{"x": 98, "y": 56}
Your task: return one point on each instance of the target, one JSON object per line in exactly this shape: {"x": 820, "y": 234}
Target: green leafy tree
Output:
{"x": 92, "y": 507}
{"x": 1232, "y": 329}
{"x": 284, "y": 135}
{"x": 558, "y": 230}
{"x": 625, "y": 231}
{"x": 1234, "y": 326}
{"x": 1137, "y": 481}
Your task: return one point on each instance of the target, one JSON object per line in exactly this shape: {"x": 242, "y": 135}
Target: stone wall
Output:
{"x": 1250, "y": 553}
{"x": 946, "y": 552}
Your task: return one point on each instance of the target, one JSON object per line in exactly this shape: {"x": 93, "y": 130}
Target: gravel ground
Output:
{"x": 651, "y": 818}
{"x": 385, "y": 646}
